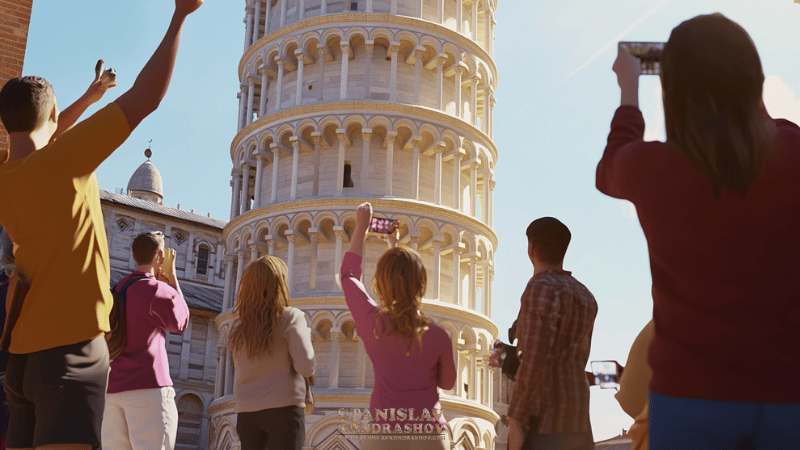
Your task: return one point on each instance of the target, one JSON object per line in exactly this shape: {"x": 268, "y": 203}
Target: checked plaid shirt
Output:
{"x": 554, "y": 329}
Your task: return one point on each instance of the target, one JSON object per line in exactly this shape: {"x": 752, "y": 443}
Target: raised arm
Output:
{"x": 152, "y": 83}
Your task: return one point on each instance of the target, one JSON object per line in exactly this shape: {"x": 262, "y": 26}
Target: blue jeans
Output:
{"x": 688, "y": 423}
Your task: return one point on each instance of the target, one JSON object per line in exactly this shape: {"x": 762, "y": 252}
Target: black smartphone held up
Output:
{"x": 606, "y": 374}
{"x": 381, "y": 225}
{"x": 648, "y": 53}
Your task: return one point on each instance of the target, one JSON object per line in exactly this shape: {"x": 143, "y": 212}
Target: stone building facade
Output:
{"x": 387, "y": 101}
{"x": 198, "y": 243}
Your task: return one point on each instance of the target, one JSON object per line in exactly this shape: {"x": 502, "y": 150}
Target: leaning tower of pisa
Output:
{"x": 386, "y": 101}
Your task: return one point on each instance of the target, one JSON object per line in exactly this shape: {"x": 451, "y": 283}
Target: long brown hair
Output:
{"x": 712, "y": 80}
{"x": 263, "y": 295}
{"x": 399, "y": 283}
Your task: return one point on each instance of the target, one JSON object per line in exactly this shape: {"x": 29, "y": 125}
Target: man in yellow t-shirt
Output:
{"x": 58, "y": 368}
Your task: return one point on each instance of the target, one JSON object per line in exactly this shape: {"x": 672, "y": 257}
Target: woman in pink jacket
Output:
{"x": 412, "y": 357}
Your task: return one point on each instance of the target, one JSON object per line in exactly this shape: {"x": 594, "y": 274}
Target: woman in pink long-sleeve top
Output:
{"x": 411, "y": 355}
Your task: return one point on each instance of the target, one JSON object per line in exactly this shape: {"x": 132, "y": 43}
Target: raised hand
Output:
{"x": 186, "y": 7}
{"x": 363, "y": 216}
{"x": 628, "y": 68}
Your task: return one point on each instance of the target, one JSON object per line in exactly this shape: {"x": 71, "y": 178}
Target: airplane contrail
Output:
{"x": 608, "y": 45}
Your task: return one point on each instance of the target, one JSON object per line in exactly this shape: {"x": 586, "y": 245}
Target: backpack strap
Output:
{"x": 130, "y": 281}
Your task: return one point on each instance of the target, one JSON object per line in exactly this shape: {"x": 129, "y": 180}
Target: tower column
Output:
{"x": 313, "y": 234}
{"x": 245, "y": 199}
{"x": 295, "y": 165}
{"x": 437, "y": 177}
{"x": 368, "y": 46}
{"x": 473, "y": 188}
{"x": 457, "y": 179}
{"x": 473, "y": 27}
{"x": 436, "y": 279}
{"x": 394, "y": 47}
{"x": 456, "y": 274}
{"x": 279, "y": 86}
{"x": 301, "y": 62}
{"x": 218, "y": 383}
{"x": 253, "y": 252}
{"x": 345, "y": 60}
{"x": 459, "y": 16}
{"x": 323, "y": 7}
{"x": 440, "y": 59}
{"x": 418, "y": 51}
{"x": 227, "y": 303}
{"x": 317, "y": 137}
{"x": 283, "y": 13}
{"x": 485, "y": 203}
{"x": 321, "y": 60}
{"x": 441, "y": 12}
{"x": 389, "y": 145}
{"x": 266, "y": 17}
{"x": 262, "y": 104}
{"x": 302, "y": 10}
{"x": 369, "y": 6}
{"x": 341, "y": 133}
{"x": 473, "y": 280}
{"x": 260, "y": 155}
{"x": 473, "y": 107}
{"x": 257, "y": 21}
{"x": 338, "y": 230}
{"x": 275, "y": 160}
{"x": 251, "y": 90}
{"x": 473, "y": 373}
{"x": 248, "y": 25}
{"x": 457, "y": 91}
{"x": 242, "y": 105}
{"x": 228, "y": 372}
{"x": 393, "y": 8}
{"x": 235, "y": 192}
{"x": 415, "y": 168}
{"x": 485, "y": 288}
{"x": 333, "y": 375}
{"x": 366, "y": 136}
{"x": 491, "y": 200}
{"x": 290, "y": 238}
{"x": 239, "y": 271}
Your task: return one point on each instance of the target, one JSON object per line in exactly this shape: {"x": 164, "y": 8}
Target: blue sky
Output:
{"x": 555, "y": 98}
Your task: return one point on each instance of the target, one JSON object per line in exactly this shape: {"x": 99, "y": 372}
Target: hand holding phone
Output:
{"x": 382, "y": 226}
{"x": 648, "y": 54}
{"x": 168, "y": 265}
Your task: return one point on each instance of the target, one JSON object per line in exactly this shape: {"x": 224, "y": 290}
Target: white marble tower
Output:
{"x": 387, "y": 101}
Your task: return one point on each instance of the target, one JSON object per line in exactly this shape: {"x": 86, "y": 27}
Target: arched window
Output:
{"x": 190, "y": 417}
{"x": 202, "y": 259}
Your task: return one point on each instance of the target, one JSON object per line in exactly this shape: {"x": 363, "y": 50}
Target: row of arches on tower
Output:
{"x": 472, "y": 18}
{"x": 373, "y": 64}
{"x": 458, "y": 260}
{"x": 341, "y": 361}
{"x": 363, "y": 155}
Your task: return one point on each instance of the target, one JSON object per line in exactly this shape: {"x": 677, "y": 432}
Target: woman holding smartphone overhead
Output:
{"x": 719, "y": 204}
{"x": 272, "y": 352}
{"x": 412, "y": 357}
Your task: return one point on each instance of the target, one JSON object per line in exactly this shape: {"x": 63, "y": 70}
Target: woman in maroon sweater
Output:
{"x": 719, "y": 204}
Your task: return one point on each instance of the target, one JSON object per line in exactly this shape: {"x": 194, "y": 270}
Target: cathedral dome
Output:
{"x": 146, "y": 183}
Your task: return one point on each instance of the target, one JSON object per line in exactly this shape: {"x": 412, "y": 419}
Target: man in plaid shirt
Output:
{"x": 554, "y": 328}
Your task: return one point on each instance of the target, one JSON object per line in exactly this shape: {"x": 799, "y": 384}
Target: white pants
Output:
{"x": 145, "y": 419}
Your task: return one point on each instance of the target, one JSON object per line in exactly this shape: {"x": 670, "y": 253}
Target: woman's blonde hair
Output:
{"x": 399, "y": 283}
{"x": 712, "y": 80}
{"x": 263, "y": 295}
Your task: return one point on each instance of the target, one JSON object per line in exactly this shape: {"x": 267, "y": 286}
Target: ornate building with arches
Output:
{"x": 198, "y": 243}
{"x": 387, "y": 101}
